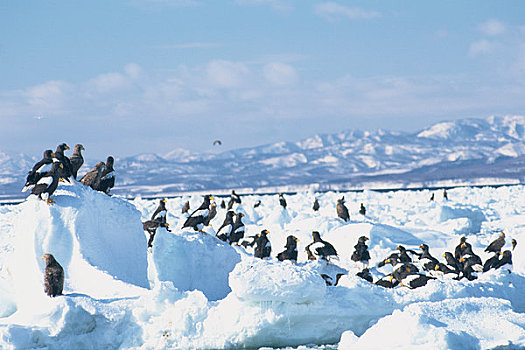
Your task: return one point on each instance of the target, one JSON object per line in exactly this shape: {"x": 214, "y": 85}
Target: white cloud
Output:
{"x": 280, "y": 74}
{"x": 226, "y": 74}
{"x": 51, "y": 95}
{"x": 133, "y": 70}
{"x": 143, "y": 109}
{"x": 333, "y": 11}
{"x": 492, "y": 27}
{"x": 107, "y": 82}
{"x": 481, "y": 47}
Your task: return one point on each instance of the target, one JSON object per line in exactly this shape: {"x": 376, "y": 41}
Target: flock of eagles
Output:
{"x": 409, "y": 268}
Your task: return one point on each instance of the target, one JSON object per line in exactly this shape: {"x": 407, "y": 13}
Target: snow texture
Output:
{"x": 193, "y": 291}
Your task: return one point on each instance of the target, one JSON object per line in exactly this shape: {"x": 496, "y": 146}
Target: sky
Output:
{"x": 150, "y": 76}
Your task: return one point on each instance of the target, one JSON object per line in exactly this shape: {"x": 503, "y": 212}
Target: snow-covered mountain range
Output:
{"x": 467, "y": 151}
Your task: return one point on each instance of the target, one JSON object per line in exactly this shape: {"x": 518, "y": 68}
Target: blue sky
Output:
{"x": 127, "y": 77}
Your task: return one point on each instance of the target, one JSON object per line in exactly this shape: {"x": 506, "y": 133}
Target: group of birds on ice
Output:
{"x": 406, "y": 264}
{"x": 43, "y": 179}
{"x": 408, "y": 267}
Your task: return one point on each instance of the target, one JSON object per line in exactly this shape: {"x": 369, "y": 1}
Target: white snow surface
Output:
{"x": 195, "y": 291}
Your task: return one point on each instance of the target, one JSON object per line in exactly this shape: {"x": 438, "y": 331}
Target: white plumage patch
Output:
{"x": 109, "y": 175}
{"x": 425, "y": 261}
{"x": 47, "y": 180}
{"x": 226, "y": 229}
{"x": 44, "y": 168}
{"x": 315, "y": 246}
{"x": 477, "y": 268}
{"x": 28, "y": 187}
{"x": 410, "y": 278}
{"x": 201, "y": 212}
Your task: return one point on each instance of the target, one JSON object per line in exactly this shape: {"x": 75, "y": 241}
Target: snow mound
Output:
{"x": 460, "y": 219}
{"x": 469, "y": 323}
{"x": 194, "y": 261}
{"x": 259, "y": 280}
{"x": 97, "y": 239}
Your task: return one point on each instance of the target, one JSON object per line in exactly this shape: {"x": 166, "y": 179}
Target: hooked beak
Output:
{"x": 436, "y": 268}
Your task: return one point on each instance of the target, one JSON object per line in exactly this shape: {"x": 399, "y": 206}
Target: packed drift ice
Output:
{"x": 191, "y": 289}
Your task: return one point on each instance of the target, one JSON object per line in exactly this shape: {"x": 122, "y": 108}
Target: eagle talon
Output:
{"x": 50, "y": 201}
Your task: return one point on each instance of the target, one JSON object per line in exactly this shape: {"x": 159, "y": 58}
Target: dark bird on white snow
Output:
{"x": 315, "y": 207}
{"x": 497, "y": 244}
{"x": 238, "y": 229}
{"x": 263, "y": 247}
{"x": 224, "y": 232}
{"x": 76, "y": 159}
{"x": 65, "y": 171}
{"x": 320, "y": 248}
{"x": 213, "y": 214}
{"x": 92, "y": 177}
{"x": 186, "y": 207}
{"x": 39, "y": 169}
{"x": 342, "y": 210}
{"x": 290, "y": 250}
{"x": 361, "y": 253}
{"x": 107, "y": 178}
{"x": 282, "y": 201}
{"x": 362, "y": 210}
{"x": 48, "y": 183}
{"x": 53, "y": 276}
{"x": 197, "y": 219}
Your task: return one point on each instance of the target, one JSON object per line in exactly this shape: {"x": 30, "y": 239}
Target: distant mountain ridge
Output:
{"x": 469, "y": 150}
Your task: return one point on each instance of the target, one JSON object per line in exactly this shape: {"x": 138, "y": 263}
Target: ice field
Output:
{"x": 195, "y": 291}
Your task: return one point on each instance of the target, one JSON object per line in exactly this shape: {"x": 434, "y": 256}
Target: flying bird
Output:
{"x": 217, "y": 142}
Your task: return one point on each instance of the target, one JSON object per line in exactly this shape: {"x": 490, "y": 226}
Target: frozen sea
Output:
{"x": 194, "y": 291}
